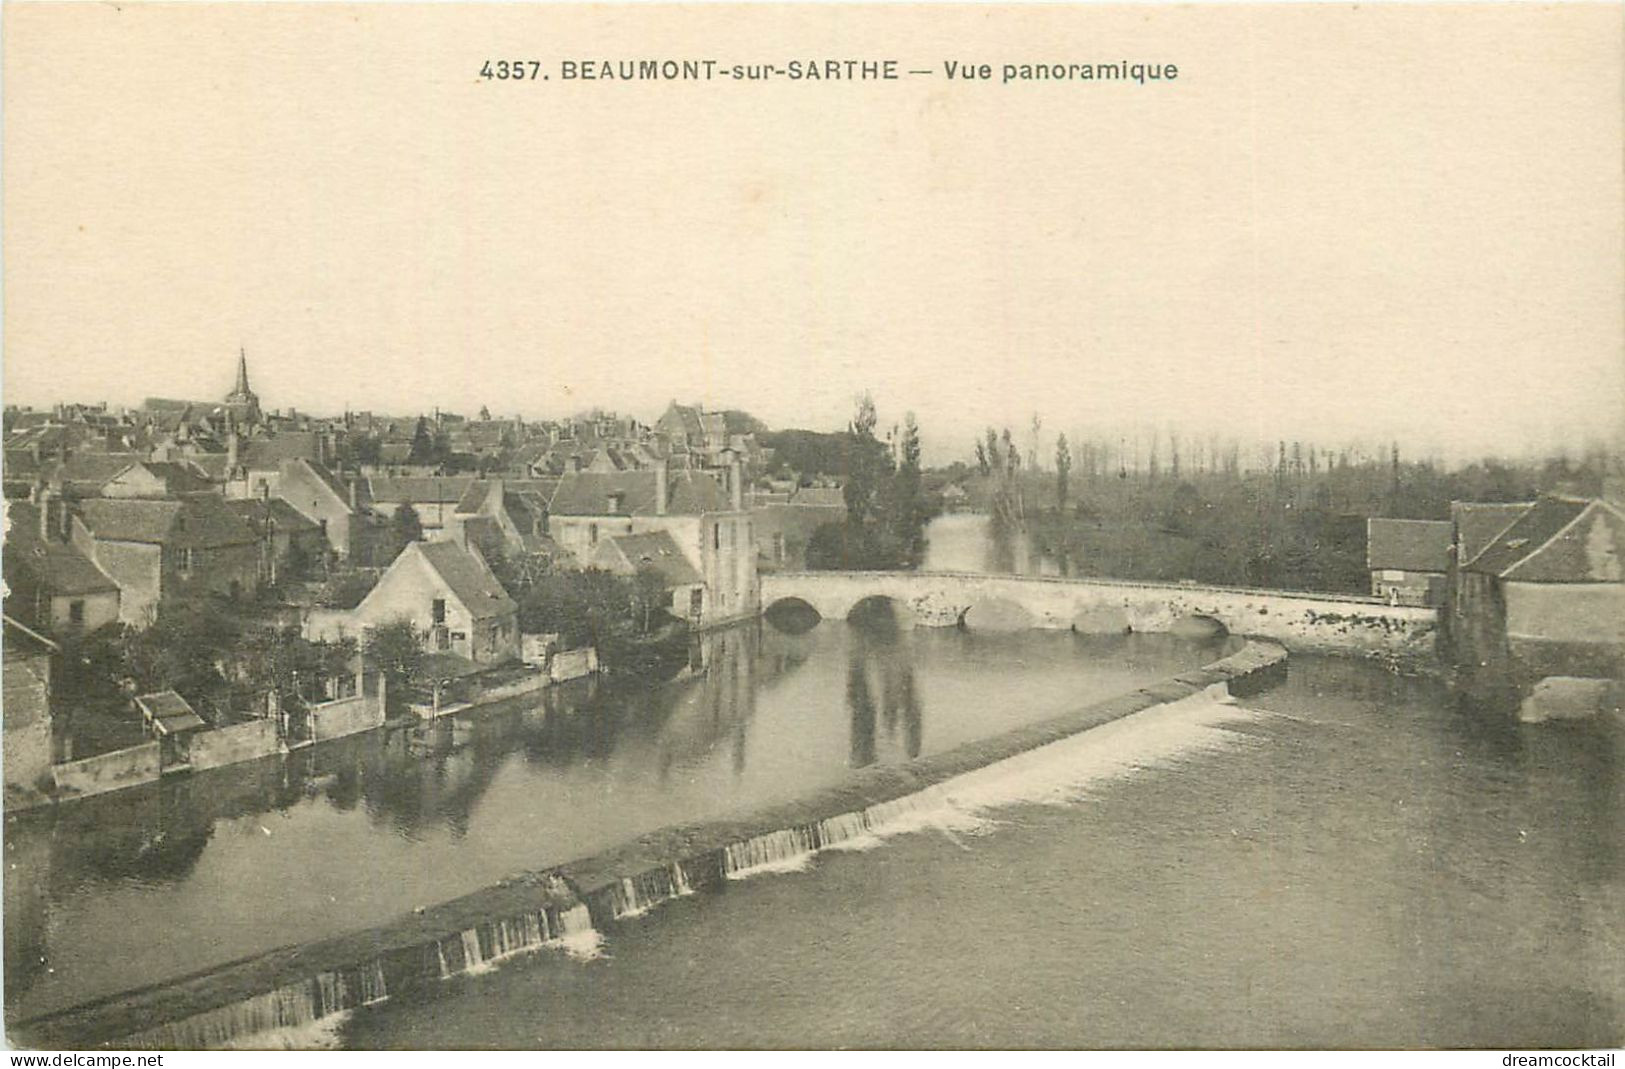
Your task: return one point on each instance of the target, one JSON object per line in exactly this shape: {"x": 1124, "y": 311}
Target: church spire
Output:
{"x": 247, "y": 403}
{"x": 242, "y": 389}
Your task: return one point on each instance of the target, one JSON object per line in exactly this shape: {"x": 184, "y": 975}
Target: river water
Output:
{"x": 1347, "y": 861}
{"x": 139, "y": 886}
{"x": 1353, "y": 859}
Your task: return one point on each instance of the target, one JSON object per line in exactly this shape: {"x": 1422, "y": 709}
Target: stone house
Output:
{"x": 159, "y": 551}
{"x": 336, "y": 506}
{"x": 28, "y": 749}
{"x": 1546, "y": 596}
{"x": 433, "y": 497}
{"x": 627, "y": 555}
{"x": 702, "y": 511}
{"x": 51, "y": 585}
{"x": 283, "y": 532}
{"x": 448, "y": 594}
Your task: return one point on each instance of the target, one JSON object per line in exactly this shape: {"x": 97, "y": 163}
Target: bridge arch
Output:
{"x": 793, "y": 615}
{"x": 1199, "y": 627}
{"x": 996, "y": 613}
{"x": 880, "y": 612}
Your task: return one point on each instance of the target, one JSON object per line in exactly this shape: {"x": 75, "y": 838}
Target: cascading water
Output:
{"x": 636, "y": 895}
{"x": 785, "y": 850}
{"x": 292, "y": 1015}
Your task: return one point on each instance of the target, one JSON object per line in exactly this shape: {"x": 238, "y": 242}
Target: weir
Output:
{"x": 318, "y": 985}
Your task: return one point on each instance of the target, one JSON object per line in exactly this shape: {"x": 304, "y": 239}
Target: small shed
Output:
{"x": 168, "y": 714}
{"x": 172, "y": 722}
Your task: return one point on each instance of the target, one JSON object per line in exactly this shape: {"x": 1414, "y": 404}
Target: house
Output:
{"x": 627, "y": 555}
{"x": 157, "y": 478}
{"x": 334, "y": 506}
{"x": 516, "y": 509}
{"x": 159, "y": 551}
{"x": 703, "y": 511}
{"x": 52, "y": 585}
{"x": 253, "y": 467}
{"x": 286, "y": 535}
{"x": 1479, "y": 522}
{"x": 434, "y": 498}
{"x": 1409, "y": 560}
{"x": 1547, "y": 594}
{"x": 449, "y": 595}
{"x": 783, "y": 529}
{"x": 26, "y": 674}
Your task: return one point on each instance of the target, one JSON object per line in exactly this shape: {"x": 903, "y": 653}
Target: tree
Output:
{"x": 1063, "y": 470}
{"x": 423, "y": 445}
{"x": 405, "y": 526}
{"x": 867, "y": 464}
{"x": 908, "y": 510}
{"x": 394, "y": 649}
{"x": 650, "y": 595}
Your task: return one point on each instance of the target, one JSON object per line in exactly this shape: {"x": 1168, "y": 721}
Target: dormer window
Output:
{"x": 616, "y": 501}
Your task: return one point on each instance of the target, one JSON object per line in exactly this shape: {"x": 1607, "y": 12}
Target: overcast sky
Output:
{"x": 1336, "y": 223}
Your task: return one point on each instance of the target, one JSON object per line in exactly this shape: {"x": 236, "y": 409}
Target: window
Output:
{"x": 592, "y": 534}
{"x": 437, "y": 610}
{"x": 696, "y": 601}
{"x": 716, "y": 537}
{"x": 76, "y": 612}
{"x": 184, "y": 560}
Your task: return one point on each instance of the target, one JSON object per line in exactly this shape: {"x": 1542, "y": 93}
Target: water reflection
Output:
{"x": 127, "y": 889}
{"x": 880, "y": 658}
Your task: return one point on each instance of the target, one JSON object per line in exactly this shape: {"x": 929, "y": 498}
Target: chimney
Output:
{"x": 46, "y": 501}
{"x": 355, "y": 495}
{"x": 736, "y": 484}
{"x": 231, "y": 452}
{"x": 661, "y": 487}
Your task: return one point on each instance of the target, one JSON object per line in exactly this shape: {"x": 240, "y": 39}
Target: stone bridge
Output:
{"x": 1331, "y": 623}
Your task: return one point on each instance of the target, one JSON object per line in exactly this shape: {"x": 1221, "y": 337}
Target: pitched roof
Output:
{"x": 169, "y": 712}
{"x": 1478, "y": 522}
{"x": 468, "y": 577}
{"x": 590, "y": 493}
{"x": 419, "y": 489}
{"x": 695, "y": 492}
{"x": 57, "y": 566}
{"x": 178, "y": 477}
{"x": 266, "y": 454}
{"x": 194, "y": 523}
{"x": 1411, "y": 545}
{"x": 1544, "y": 519}
{"x": 654, "y": 549}
{"x": 1589, "y": 549}
{"x": 256, "y": 512}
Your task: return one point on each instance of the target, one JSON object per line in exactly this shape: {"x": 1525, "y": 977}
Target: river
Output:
{"x": 1347, "y": 861}
{"x": 1353, "y": 859}
{"x": 143, "y": 885}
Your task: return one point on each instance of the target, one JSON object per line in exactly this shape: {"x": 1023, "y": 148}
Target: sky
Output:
{"x": 1337, "y": 223}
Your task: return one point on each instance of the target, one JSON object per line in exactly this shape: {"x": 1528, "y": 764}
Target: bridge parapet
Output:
{"x": 1301, "y": 621}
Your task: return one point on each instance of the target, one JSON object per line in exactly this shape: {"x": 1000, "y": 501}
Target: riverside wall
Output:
{"x": 300, "y": 985}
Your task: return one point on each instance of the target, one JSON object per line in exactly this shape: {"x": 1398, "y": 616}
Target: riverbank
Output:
{"x": 297, "y": 986}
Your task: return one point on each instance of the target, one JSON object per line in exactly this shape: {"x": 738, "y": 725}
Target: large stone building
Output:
{"x": 160, "y": 551}
{"x": 702, "y": 511}
{"x": 1546, "y": 595}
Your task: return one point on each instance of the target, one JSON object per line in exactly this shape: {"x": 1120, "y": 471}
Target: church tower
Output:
{"x": 243, "y": 401}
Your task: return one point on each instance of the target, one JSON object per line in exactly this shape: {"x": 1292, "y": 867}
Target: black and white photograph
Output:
{"x": 814, "y": 526}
